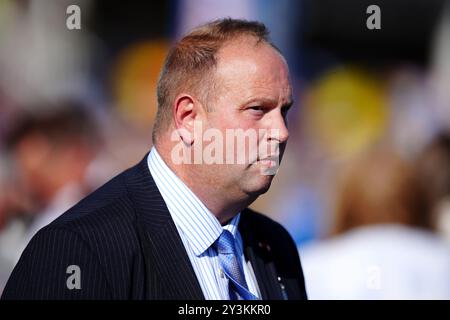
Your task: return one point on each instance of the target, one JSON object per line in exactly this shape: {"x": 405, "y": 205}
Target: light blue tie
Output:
{"x": 231, "y": 267}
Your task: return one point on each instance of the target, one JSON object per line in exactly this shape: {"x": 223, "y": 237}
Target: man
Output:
{"x": 178, "y": 227}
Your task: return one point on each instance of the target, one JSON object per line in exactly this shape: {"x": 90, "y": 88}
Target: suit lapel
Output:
{"x": 260, "y": 257}
{"x": 169, "y": 273}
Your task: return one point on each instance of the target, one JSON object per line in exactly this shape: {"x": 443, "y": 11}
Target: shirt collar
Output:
{"x": 188, "y": 212}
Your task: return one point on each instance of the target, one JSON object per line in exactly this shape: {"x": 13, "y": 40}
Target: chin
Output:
{"x": 261, "y": 186}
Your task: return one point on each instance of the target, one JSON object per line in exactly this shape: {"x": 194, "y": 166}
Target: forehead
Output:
{"x": 245, "y": 65}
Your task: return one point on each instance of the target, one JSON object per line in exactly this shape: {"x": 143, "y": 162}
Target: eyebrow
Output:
{"x": 272, "y": 102}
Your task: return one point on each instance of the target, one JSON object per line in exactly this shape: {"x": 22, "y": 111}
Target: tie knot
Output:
{"x": 225, "y": 243}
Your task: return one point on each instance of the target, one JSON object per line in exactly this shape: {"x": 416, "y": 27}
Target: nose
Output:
{"x": 279, "y": 130}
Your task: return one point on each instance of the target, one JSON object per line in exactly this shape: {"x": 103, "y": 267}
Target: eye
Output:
{"x": 256, "y": 108}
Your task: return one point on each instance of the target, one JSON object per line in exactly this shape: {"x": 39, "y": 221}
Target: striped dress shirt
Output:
{"x": 199, "y": 229}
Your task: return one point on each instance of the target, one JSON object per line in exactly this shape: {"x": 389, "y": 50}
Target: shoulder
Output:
{"x": 109, "y": 210}
{"x": 97, "y": 235}
{"x": 268, "y": 233}
{"x": 101, "y": 224}
{"x": 273, "y": 243}
{"x": 262, "y": 224}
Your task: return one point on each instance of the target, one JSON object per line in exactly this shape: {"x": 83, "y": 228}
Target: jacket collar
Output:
{"x": 188, "y": 212}
{"x": 167, "y": 262}
{"x": 258, "y": 252}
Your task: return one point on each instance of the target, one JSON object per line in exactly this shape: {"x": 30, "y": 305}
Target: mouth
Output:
{"x": 269, "y": 162}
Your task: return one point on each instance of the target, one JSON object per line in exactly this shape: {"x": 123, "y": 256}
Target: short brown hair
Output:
{"x": 189, "y": 63}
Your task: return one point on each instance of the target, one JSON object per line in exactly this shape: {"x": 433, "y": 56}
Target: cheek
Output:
{"x": 241, "y": 121}
{"x": 223, "y": 121}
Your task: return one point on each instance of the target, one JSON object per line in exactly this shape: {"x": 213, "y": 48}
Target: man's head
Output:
{"x": 192, "y": 62}
{"x": 227, "y": 76}
{"x": 52, "y": 149}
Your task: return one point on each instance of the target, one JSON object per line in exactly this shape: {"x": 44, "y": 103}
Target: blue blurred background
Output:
{"x": 77, "y": 106}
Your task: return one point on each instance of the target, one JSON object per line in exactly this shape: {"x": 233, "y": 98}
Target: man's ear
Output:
{"x": 186, "y": 111}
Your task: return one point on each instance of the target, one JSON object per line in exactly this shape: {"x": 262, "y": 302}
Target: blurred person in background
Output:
{"x": 433, "y": 166}
{"x": 383, "y": 246}
{"x": 50, "y": 152}
{"x": 15, "y": 216}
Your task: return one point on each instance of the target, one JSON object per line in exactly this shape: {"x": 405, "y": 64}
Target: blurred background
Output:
{"x": 364, "y": 188}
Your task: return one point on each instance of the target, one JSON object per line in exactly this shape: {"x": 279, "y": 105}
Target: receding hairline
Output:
{"x": 233, "y": 52}
{"x": 233, "y": 45}
{"x": 200, "y": 49}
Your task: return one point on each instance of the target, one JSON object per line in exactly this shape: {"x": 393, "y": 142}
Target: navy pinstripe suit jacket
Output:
{"x": 126, "y": 245}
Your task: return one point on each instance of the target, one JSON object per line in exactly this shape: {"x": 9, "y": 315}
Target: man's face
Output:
{"x": 252, "y": 92}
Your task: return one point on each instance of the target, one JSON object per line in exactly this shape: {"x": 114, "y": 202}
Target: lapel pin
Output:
{"x": 283, "y": 289}
{"x": 264, "y": 246}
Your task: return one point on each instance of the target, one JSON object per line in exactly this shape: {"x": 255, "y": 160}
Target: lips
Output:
{"x": 268, "y": 161}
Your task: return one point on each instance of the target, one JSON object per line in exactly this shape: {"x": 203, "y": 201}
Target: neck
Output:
{"x": 224, "y": 205}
